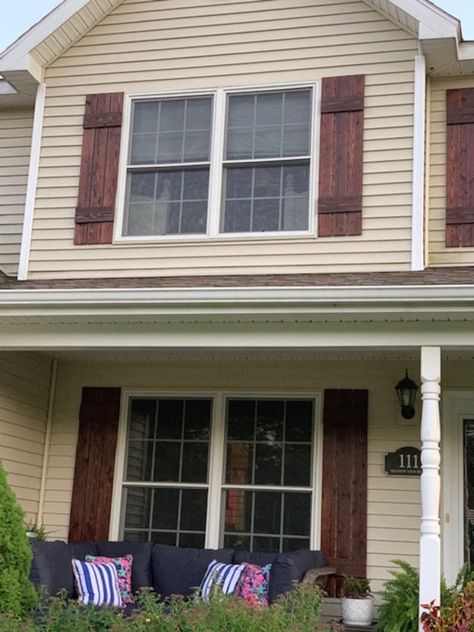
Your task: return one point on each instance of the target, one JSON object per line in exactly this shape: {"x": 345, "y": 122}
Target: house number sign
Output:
{"x": 404, "y": 462}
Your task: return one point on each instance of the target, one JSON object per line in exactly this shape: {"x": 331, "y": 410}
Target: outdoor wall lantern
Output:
{"x": 406, "y": 392}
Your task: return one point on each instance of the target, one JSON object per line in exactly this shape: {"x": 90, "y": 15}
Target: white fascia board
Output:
{"x": 15, "y": 57}
{"x": 447, "y": 298}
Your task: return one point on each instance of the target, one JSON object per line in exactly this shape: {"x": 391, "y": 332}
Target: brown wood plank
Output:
{"x": 99, "y": 168}
{"x": 341, "y": 156}
{"x": 460, "y": 168}
{"x": 344, "y": 498}
{"x": 95, "y": 462}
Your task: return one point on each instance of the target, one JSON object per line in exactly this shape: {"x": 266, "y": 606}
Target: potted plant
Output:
{"x": 357, "y": 602}
{"x": 35, "y": 532}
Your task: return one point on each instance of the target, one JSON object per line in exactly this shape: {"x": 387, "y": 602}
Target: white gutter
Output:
{"x": 137, "y": 300}
{"x": 418, "y": 194}
{"x": 32, "y": 181}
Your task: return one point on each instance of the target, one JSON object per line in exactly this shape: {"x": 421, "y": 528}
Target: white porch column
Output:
{"x": 430, "y": 542}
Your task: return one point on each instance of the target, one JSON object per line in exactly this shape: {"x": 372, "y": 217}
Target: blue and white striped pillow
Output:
{"x": 226, "y": 576}
{"x": 97, "y": 584}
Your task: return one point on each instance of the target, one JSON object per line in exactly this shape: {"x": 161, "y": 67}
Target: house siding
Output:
{"x": 177, "y": 45}
{"x": 393, "y": 502}
{"x": 24, "y": 397}
{"x": 438, "y": 253}
{"x": 15, "y": 143}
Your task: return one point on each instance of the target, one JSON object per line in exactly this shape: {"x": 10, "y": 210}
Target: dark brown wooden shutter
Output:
{"x": 99, "y": 169}
{"x": 460, "y": 168}
{"x": 344, "y": 503}
{"x": 341, "y": 156}
{"x": 95, "y": 461}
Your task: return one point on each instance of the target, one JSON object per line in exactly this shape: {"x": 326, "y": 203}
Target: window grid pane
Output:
{"x": 168, "y": 443}
{"x": 268, "y": 125}
{"x": 266, "y": 198}
{"x": 166, "y": 199}
{"x": 281, "y": 430}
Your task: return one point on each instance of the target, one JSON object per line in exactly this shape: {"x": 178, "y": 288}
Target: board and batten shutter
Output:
{"x": 460, "y": 168}
{"x": 99, "y": 169}
{"x": 341, "y": 156}
{"x": 95, "y": 461}
{"x": 344, "y": 498}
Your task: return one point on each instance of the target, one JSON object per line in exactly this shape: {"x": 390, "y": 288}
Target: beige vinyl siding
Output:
{"x": 15, "y": 143}
{"x": 393, "y": 502}
{"x": 438, "y": 254}
{"x": 148, "y": 47}
{"x": 24, "y": 396}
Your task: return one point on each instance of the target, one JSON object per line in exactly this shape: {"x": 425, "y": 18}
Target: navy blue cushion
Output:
{"x": 141, "y": 566}
{"x": 51, "y": 567}
{"x": 302, "y": 560}
{"x": 79, "y": 550}
{"x": 179, "y": 571}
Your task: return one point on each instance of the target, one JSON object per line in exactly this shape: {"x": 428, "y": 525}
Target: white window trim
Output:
{"x": 216, "y": 457}
{"x": 213, "y": 232}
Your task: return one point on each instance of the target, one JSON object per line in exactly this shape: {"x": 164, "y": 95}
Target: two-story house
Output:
{"x": 227, "y": 229}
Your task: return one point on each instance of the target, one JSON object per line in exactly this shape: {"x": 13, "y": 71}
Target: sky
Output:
{"x": 21, "y": 14}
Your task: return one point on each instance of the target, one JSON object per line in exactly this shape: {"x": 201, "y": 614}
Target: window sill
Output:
{"x": 217, "y": 239}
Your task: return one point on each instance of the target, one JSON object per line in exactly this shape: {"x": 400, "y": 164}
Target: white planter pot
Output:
{"x": 357, "y": 611}
{"x": 31, "y": 535}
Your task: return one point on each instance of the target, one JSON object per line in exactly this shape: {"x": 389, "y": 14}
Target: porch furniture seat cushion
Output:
{"x": 51, "y": 567}
{"x": 286, "y": 568}
{"x": 123, "y": 566}
{"x": 97, "y": 584}
{"x": 141, "y": 552}
{"x": 179, "y": 571}
{"x": 254, "y": 584}
{"x": 226, "y": 576}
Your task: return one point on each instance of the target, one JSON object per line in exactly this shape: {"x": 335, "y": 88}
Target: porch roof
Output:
{"x": 259, "y": 317}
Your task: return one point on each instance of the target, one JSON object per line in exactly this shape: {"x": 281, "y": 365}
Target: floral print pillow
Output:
{"x": 124, "y": 572}
{"x": 253, "y": 584}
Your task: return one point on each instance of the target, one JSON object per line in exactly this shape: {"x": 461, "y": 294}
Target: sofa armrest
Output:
{"x": 317, "y": 576}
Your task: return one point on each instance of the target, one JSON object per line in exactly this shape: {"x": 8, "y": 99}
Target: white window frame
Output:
{"x": 218, "y": 129}
{"x": 217, "y": 446}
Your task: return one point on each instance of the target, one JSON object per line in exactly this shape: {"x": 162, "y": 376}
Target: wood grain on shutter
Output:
{"x": 341, "y": 156}
{"x": 344, "y": 501}
{"x": 99, "y": 169}
{"x": 95, "y": 461}
{"x": 460, "y": 168}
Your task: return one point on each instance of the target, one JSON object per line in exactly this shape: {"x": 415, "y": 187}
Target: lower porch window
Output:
{"x": 266, "y": 486}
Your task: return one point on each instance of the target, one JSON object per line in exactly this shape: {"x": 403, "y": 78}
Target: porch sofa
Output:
{"x": 168, "y": 570}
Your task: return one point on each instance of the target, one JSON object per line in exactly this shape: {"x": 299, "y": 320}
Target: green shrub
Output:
{"x": 297, "y": 612}
{"x": 400, "y": 606}
{"x": 16, "y": 592}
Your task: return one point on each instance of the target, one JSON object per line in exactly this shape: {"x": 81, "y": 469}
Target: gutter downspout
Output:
{"x": 32, "y": 181}
{"x": 418, "y": 195}
{"x": 47, "y": 440}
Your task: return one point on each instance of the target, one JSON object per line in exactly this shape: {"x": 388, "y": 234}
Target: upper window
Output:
{"x": 188, "y": 174}
{"x": 266, "y": 166}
